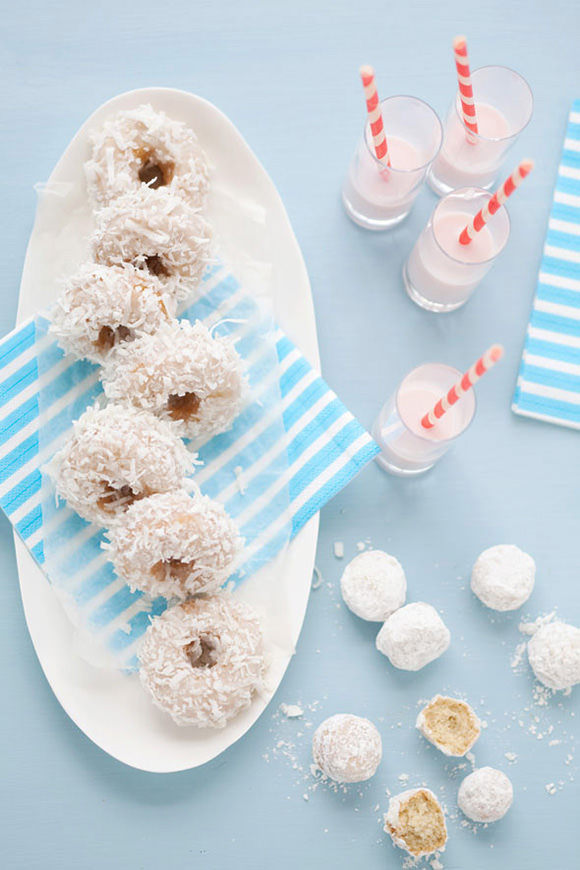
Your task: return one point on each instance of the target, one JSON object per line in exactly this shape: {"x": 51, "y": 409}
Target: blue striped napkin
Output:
{"x": 289, "y": 452}
{"x": 548, "y": 386}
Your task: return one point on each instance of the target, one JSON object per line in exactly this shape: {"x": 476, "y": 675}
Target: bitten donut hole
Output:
{"x": 109, "y": 336}
{"x": 203, "y": 651}
{"x": 155, "y": 266}
{"x": 172, "y": 569}
{"x": 183, "y": 407}
{"x": 154, "y": 172}
{"x": 115, "y": 497}
{"x": 421, "y": 824}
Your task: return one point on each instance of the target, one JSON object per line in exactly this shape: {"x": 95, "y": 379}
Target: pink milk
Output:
{"x": 464, "y": 162}
{"x": 406, "y": 447}
{"x": 441, "y": 274}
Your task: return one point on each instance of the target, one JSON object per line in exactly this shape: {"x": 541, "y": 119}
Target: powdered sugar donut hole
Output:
{"x": 373, "y": 585}
{"x": 415, "y": 822}
{"x": 413, "y": 636}
{"x": 554, "y": 655}
{"x": 175, "y": 545}
{"x": 347, "y": 748}
{"x": 104, "y": 306}
{"x": 449, "y": 724}
{"x": 203, "y": 661}
{"x": 142, "y": 147}
{"x": 503, "y": 577}
{"x": 114, "y": 457}
{"x": 182, "y": 374}
{"x": 485, "y": 795}
{"x": 157, "y": 232}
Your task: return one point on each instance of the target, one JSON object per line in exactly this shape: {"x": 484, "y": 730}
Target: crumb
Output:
{"x": 339, "y": 549}
{"x": 238, "y": 470}
{"x": 550, "y": 788}
{"x": 291, "y": 711}
{"x": 361, "y": 546}
{"x": 317, "y": 580}
{"x": 511, "y": 757}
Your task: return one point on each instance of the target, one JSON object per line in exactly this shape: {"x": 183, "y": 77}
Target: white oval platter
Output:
{"x": 256, "y": 239}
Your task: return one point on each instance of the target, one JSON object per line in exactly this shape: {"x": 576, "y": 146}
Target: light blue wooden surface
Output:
{"x": 287, "y": 76}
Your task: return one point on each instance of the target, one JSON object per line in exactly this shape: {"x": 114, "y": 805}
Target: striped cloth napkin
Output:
{"x": 289, "y": 452}
{"x": 548, "y": 385}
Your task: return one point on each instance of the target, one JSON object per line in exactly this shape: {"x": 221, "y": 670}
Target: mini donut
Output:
{"x": 415, "y": 822}
{"x": 116, "y": 456}
{"x": 202, "y": 661}
{"x": 182, "y": 374}
{"x": 157, "y": 232}
{"x": 485, "y": 795}
{"x": 413, "y": 636}
{"x": 449, "y": 724}
{"x": 103, "y": 306}
{"x": 175, "y": 545}
{"x": 142, "y": 147}
{"x": 347, "y": 748}
{"x": 373, "y": 585}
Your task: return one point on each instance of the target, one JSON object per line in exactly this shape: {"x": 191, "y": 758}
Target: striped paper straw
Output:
{"x": 465, "y": 86}
{"x": 367, "y": 75}
{"x": 471, "y": 376}
{"x": 497, "y": 200}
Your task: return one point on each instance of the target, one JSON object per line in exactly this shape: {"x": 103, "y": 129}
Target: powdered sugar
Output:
{"x": 554, "y": 655}
{"x": 485, "y": 795}
{"x": 347, "y": 748}
{"x": 503, "y": 577}
{"x": 413, "y": 636}
{"x": 373, "y": 585}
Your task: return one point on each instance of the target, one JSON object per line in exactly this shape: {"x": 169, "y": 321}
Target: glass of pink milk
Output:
{"x": 503, "y": 105}
{"x": 441, "y": 274}
{"x": 378, "y": 197}
{"x": 407, "y": 448}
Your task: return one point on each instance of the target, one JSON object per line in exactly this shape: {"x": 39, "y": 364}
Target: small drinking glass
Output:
{"x": 503, "y": 105}
{"x": 377, "y": 196}
{"x": 440, "y": 273}
{"x": 407, "y": 448}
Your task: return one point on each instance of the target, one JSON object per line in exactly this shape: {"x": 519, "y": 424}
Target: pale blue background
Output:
{"x": 287, "y": 76}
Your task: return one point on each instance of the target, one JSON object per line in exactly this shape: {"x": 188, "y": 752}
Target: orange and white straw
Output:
{"x": 465, "y": 86}
{"x": 496, "y": 201}
{"x": 471, "y": 377}
{"x": 367, "y": 75}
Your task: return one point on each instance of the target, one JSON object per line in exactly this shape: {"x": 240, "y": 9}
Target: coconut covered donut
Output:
{"x": 202, "y": 661}
{"x": 175, "y": 545}
{"x": 103, "y": 306}
{"x": 156, "y": 231}
{"x": 116, "y": 456}
{"x": 143, "y": 147}
{"x": 182, "y": 374}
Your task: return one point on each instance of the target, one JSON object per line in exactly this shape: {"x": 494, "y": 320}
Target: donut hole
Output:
{"x": 115, "y": 497}
{"x": 203, "y": 651}
{"x": 183, "y": 407}
{"x": 110, "y": 336}
{"x": 155, "y": 266}
{"x": 174, "y": 569}
{"x": 451, "y": 724}
{"x": 154, "y": 172}
{"x": 421, "y": 824}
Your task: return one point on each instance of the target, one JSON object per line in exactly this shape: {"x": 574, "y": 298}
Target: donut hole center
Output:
{"x": 109, "y": 336}
{"x": 451, "y": 725}
{"x": 155, "y": 266}
{"x": 172, "y": 569}
{"x": 115, "y": 497}
{"x": 154, "y": 172}
{"x": 183, "y": 407}
{"x": 203, "y": 651}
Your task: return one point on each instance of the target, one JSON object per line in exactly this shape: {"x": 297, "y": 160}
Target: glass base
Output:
{"x": 397, "y": 470}
{"x": 427, "y": 304}
{"x": 372, "y": 223}
{"x": 441, "y": 188}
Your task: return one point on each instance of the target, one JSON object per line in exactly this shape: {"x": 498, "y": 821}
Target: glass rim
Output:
{"x": 477, "y": 190}
{"x": 394, "y": 168}
{"x": 479, "y": 136}
{"x": 457, "y": 374}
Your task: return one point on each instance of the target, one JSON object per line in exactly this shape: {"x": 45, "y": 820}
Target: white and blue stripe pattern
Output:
{"x": 548, "y": 386}
{"x": 288, "y": 453}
